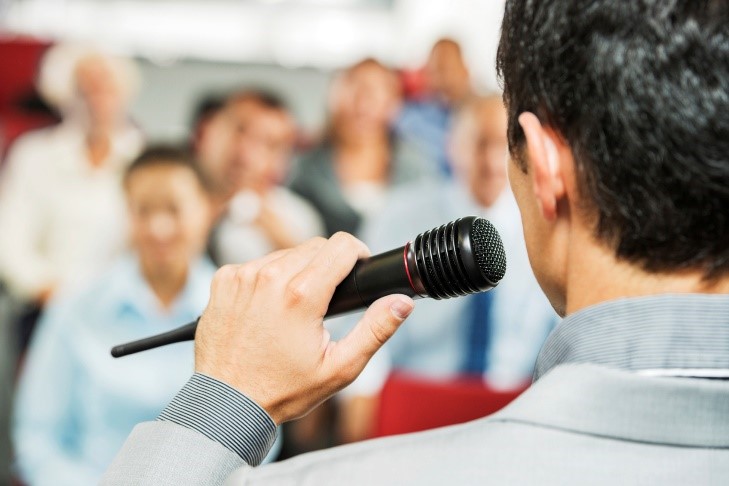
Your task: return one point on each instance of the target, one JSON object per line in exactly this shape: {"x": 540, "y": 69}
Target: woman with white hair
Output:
{"x": 61, "y": 206}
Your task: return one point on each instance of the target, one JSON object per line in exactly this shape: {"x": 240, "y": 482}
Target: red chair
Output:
{"x": 411, "y": 404}
{"x": 19, "y": 58}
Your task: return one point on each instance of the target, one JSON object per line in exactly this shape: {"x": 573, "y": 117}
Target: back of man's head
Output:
{"x": 639, "y": 91}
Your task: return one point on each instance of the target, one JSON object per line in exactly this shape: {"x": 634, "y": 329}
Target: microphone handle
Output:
{"x": 392, "y": 272}
{"x": 184, "y": 333}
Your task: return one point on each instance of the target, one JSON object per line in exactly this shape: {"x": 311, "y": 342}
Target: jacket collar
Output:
{"x": 662, "y": 332}
{"x": 614, "y": 404}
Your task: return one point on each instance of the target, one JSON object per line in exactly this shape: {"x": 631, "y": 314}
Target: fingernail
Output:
{"x": 401, "y": 308}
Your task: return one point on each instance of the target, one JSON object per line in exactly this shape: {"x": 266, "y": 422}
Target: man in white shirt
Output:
{"x": 260, "y": 214}
{"x": 61, "y": 206}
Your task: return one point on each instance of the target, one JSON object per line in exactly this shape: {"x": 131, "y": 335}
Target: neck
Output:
{"x": 166, "y": 283}
{"x": 98, "y": 146}
{"x": 594, "y": 275}
{"x": 360, "y": 142}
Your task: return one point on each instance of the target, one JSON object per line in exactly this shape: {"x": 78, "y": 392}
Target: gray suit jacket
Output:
{"x": 579, "y": 424}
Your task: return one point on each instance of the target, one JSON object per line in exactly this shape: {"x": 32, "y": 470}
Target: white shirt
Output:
{"x": 61, "y": 220}
{"x": 238, "y": 239}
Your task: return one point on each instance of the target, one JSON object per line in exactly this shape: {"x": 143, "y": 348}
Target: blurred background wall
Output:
{"x": 189, "y": 48}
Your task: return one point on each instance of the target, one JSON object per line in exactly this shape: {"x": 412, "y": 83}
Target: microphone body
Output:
{"x": 462, "y": 257}
{"x": 372, "y": 278}
{"x": 440, "y": 264}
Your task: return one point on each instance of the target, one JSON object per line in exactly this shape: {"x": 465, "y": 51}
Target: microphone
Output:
{"x": 459, "y": 258}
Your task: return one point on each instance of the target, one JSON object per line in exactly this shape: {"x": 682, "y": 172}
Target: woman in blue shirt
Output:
{"x": 75, "y": 404}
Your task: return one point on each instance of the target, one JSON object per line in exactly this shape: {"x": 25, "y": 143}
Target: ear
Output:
{"x": 544, "y": 164}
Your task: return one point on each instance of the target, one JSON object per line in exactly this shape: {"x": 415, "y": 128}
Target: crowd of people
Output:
{"x": 107, "y": 238}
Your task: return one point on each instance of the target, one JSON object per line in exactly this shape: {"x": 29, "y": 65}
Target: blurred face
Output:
{"x": 480, "y": 150}
{"x": 447, "y": 74}
{"x": 365, "y": 101}
{"x": 169, "y": 217}
{"x": 262, "y": 140}
{"x": 212, "y": 144}
{"x": 99, "y": 91}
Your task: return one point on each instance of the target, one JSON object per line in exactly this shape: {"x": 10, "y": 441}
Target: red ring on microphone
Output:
{"x": 407, "y": 270}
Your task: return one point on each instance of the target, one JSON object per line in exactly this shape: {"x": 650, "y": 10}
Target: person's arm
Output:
{"x": 262, "y": 357}
{"x": 22, "y": 264}
{"x": 45, "y": 431}
{"x": 279, "y": 231}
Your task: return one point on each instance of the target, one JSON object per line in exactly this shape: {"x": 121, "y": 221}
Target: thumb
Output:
{"x": 378, "y": 324}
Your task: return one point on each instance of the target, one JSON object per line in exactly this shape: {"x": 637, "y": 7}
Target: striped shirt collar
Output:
{"x": 645, "y": 334}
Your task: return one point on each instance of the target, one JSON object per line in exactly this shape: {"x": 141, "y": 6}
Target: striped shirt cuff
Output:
{"x": 224, "y": 415}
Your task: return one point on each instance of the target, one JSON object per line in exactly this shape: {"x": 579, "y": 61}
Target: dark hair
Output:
{"x": 206, "y": 107}
{"x": 640, "y": 92}
{"x": 169, "y": 155}
{"x": 263, "y": 97}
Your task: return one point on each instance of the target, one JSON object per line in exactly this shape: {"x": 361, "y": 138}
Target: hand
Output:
{"x": 263, "y": 334}
{"x": 278, "y": 231}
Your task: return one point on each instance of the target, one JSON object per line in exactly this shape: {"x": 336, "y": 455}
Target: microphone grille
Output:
{"x": 460, "y": 258}
{"x": 488, "y": 250}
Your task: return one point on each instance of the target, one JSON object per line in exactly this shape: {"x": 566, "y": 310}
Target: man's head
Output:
{"x": 619, "y": 125}
{"x": 211, "y": 138}
{"x": 89, "y": 85}
{"x": 263, "y": 138}
{"x": 100, "y": 91}
{"x": 478, "y": 148}
{"x": 364, "y": 100}
{"x": 447, "y": 73}
{"x": 263, "y": 135}
{"x": 169, "y": 210}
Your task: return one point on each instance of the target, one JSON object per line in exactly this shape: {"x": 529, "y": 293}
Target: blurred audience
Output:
{"x": 62, "y": 217}
{"x": 75, "y": 404}
{"x": 210, "y": 142}
{"x": 348, "y": 177}
{"x": 60, "y": 203}
{"x": 259, "y": 214}
{"x": 498, "y": 332}
{"x": 426, "y": 122}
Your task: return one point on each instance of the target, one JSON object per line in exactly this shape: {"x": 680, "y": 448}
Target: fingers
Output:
{"x": 282, "y": 270}
{"x": 317, "y": 280}
{"x": 229, "y": 279}
{"x": 350, "y": 355}
{"x": 237, "y": 281}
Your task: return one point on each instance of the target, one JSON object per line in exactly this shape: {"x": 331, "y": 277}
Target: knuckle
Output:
{"x": 343, "y": 238}
{"x": 296, "y": 292}
{"x": 224, "y": 274}
{"x": 269, "y": 273}
{"x": 318, "y": 241}
{"x": 348, "y": 242}
{"x": 243, "y": 274}
{"x": 379, "y": 332}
